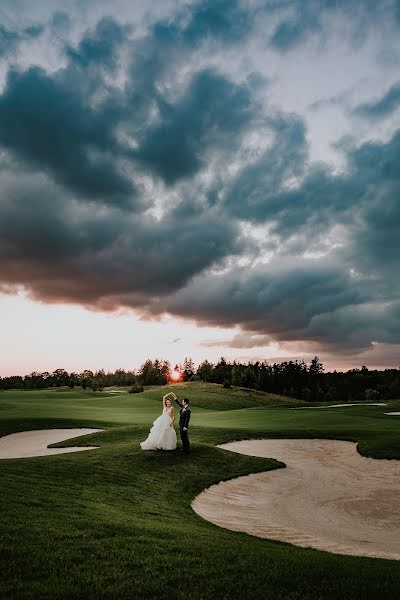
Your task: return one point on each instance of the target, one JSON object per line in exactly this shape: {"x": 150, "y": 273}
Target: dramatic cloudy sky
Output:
{"x": 200, "y": 178}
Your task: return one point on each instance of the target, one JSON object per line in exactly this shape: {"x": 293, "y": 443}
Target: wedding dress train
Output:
{"x": 162, "y": 435}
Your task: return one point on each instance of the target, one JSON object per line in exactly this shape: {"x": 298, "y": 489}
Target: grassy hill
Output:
{"x": 215, "y": 397}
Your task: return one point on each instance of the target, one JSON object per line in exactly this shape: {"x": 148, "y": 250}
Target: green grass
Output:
{"x": 214, "y": 396}
{"x": 117, "y": 522}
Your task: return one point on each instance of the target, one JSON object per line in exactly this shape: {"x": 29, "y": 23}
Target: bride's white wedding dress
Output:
{"x": 162, "y": 435}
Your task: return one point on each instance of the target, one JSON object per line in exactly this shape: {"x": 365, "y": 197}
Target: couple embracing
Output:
{"x": 162, "y": 435}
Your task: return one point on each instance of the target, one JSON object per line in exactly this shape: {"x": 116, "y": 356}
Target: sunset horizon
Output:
{"x": 81, "y": 347}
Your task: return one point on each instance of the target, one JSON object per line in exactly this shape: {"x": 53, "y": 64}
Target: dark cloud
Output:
{"x": 301, "y": 19}
{"x": 67, "y": 122}
{"x": 139, "y": 174}
{"x": 358, "y": 326}
{"x": 307, "y": 300}
{"x": 50, "y": 121}
{"x": 47, "y": 124}
{"x": 366, "y": 193}
{"x": 350, "y": 302}
{"x": 64, "y": 252}
{"x": 10, "y": 40}
{"x": 383, "y": 107}
{"x": 212, "y": 114}
{"x": 253, "y": 194}
{"x": 207, "y": 110}
{"x": 224, "y": 20}
{"x": 60, "y": 22}
{"x": 99, "y": 47}
{"x": 296, "y": 28}
{"x": 218, "y": 19}
{"x": 240, "y": 340}
{"x": 346, "y": 304}
{"x": 279, "y": 299}
{"x": 376, "y": 242}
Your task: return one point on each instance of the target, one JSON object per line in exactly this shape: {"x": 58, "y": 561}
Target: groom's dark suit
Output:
{"x": 184, "y": 419}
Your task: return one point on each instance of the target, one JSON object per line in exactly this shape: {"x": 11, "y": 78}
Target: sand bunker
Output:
{"x": 34, "y": 443}
{"x": 394, "y": 414}
{"x": 328, "y": 497}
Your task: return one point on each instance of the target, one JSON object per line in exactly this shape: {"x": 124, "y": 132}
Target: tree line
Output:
{"x": 60, "y": 378}
{"x": 152, "y": 372}
{"x": 297, "y": 379}
{"x": 308, "y": 382}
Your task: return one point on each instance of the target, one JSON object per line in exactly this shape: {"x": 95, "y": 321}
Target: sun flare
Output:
{"x": 175, "y": 376}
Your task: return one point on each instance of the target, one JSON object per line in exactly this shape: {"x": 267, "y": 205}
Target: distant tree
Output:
{"x": 188, "y": 369}
{"x": 316, "y": 366}
{"x": 165, "y": 370}
{"x": 60, "y": 377}
{"x": 147, "y": 373}
{"x": 248, "y": 379}
{"x": 371, "y": 395}
{"x": 86, "y": 374}
{"x": 237, "y": 375}
{"x": 73, "y": 380}
{"x": 135, "y": 389}
{"x": 315, "y": 372}
{"x": 130, "y": 378}
{"x": 154, "y": 372}
{"x": 84, "y": 378}
{"x": 222, "y": 371}
{"x": 36, "y": 381}
{"x": 331, "y": 394}
{"x": 100, "y": 377}
{"x": 205, "y": 370}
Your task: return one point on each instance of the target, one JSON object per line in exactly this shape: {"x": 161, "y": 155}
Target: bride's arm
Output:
{"x": 172, "y": 416}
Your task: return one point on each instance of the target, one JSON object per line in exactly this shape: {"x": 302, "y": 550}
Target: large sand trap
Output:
{"x": 328, "y": 497}
{"x": 34, "y": 443}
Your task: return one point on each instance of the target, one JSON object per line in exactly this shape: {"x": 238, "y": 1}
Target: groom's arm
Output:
{"x": 187, "y": 418}
{"x": 178, "y": 403}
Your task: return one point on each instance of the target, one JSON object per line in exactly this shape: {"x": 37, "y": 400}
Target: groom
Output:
{"x": 184, "y": 423}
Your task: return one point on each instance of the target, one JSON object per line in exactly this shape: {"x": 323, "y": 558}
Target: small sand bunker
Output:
{"x": 34, "y": 443}
{"x": 328, "y": 497}
{"x": 394, "y": 414}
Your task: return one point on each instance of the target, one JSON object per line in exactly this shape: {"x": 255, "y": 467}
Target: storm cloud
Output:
{"x": 155, "y": 167}
{"x": 10, "y": 39}
{"x": 381, "y": 107}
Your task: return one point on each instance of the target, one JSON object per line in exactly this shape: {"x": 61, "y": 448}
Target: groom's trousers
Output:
{"x": 185, "y": 440}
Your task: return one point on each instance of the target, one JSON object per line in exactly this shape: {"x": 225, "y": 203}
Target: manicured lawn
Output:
{"x": 117, "y": 522}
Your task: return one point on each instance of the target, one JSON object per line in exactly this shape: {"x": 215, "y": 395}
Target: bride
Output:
{"x": 162, "y": 435}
